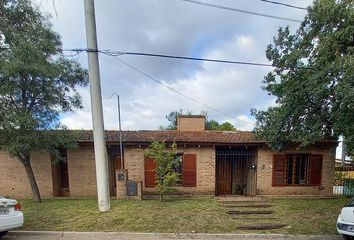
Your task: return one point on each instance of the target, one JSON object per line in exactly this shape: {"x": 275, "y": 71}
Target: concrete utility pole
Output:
{"x": 97, "y": 112}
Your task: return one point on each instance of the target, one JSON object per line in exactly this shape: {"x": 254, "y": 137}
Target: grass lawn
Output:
{"x": 303, "y": 216}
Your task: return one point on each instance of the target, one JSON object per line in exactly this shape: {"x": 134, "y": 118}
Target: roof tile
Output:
{"x": 145, "y": 136}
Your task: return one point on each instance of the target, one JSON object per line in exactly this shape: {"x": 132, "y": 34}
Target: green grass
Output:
{"x": 311, "y": 216}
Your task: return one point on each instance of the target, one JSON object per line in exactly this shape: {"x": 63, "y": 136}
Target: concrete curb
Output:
{"x": 158, "y": 236}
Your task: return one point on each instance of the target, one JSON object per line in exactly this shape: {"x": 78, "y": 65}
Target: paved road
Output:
{"x": 20, "y": 235}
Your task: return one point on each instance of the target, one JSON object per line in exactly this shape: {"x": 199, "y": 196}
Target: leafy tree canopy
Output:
{"x": 37, "y": 84}
{"x": 209, "y": 124}
{"x": 313, "y": 79}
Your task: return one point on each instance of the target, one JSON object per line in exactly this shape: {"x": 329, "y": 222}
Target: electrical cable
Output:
{"x": 240, "y": 10}
{"x": 284, "y": 4}
{"x": 173, "y": 90}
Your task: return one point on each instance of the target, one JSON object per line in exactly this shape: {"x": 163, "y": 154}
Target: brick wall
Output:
{"x": 191, "y": 123}
{"x": 134, "y": 162}
{"x": 82, "y": 171}
{"x": 264, "y": 173}
{"x": 13, "y": 178}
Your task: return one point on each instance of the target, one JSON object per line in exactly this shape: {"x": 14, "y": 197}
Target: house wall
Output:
{"x": 134, "y": 162}
{"x": 13, "y": 178}
{"x": 82, "y": 176}
{"x": 82, "y": 171}
{"x": 264, "y": 173}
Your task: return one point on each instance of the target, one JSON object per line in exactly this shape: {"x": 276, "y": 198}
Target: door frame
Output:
{"x": 60, "y": 175}
{"x": 250, "y": 155}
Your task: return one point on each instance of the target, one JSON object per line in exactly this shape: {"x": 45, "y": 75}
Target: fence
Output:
{"x": 344, "y": 181}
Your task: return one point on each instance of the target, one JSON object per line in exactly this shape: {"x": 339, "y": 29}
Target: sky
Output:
{"x": 174, "y": 27}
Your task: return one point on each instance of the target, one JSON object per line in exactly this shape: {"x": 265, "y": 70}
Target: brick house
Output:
{"x": 210, "y": 162}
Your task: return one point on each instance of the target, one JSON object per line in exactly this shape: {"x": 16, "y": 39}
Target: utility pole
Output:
{"x": 96, "y": 108}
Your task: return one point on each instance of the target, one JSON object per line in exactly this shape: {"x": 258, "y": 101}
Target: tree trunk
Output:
{"x": 32, "y": 180}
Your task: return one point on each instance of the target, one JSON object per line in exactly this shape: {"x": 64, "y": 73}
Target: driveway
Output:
{"x": 22, "y": 235}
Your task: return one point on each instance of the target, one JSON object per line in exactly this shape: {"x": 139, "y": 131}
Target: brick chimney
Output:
{"x": 190, "y": 123}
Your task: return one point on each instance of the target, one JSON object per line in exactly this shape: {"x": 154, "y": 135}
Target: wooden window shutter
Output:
{"x": 315, "y": 173}
{"x": 150, "y": 174}
{"x": 189, "y": 174}
{"x": 278, "y": 178}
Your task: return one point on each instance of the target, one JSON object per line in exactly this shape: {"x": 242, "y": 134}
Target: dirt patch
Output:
{"x": 255, "y": 218}
{"x": 248, "y": 212}
{"x": 242, "y": 202}
{"x": 261, "y": 227}
{"x": 249, "y": 206}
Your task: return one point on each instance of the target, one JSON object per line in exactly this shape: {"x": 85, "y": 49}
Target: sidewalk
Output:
{"x": 19, "y": 235}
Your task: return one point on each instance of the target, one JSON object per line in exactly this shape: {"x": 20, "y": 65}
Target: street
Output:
{"x": 22, "y": 235}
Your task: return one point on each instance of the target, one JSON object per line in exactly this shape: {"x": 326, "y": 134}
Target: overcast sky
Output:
{"x": 178, "y": 28}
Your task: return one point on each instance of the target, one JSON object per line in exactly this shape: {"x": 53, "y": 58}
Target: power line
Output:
{"x": 283, "y": 4}
{"x": 193, "y": 58}
{"x": 119, "y": 53}
{"x": 173, "y": 90}
{"x": 240, "y": 10}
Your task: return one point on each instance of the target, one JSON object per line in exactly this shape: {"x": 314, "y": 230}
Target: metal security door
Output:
{"x": 223, "y": 175}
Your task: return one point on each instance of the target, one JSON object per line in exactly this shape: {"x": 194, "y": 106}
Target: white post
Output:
{"x": 97, "y": 112}
{"x": 343, "y": 152}
{"x": 120, "y": 135}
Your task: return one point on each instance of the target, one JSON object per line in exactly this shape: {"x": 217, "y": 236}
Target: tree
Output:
{"x": 226, "y": 126}
{"x": 313, "y": 79}
{"x": 37, "y": 84}
{"x": 172, "y": 118}
{"x": 212, "y": 125}
{"x": 166, "y": 177}
{"x": 209, "y": 124}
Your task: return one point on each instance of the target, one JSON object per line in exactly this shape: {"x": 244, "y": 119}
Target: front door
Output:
{"x": 223, "y": 175}
{"x": 64, "y": 178}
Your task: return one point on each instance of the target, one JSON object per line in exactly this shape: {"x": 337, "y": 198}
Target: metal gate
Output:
{"x": 235, "y": 171}
{"x": 344, "y": 181}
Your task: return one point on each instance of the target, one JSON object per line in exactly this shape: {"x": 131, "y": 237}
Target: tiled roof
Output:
{"x": 144, "y": 136}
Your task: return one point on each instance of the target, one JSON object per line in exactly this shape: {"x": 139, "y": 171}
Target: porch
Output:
{"x": 235, "y": 171}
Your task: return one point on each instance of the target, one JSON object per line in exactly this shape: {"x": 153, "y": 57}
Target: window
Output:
{"x": 178, "y": 168}
{"x": 186, "y": 167}
{"x": 297, "y": 170}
